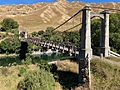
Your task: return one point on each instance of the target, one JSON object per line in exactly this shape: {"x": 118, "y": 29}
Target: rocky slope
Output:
{"x": 38, "y": 16}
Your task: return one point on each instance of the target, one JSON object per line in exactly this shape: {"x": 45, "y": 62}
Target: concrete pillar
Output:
{"x": 63, "y": 49}
{"x": 26, "y": 34}
{"x": 19, "y": 35}
{"x": 85, "y": 39}
{"x": 75, "y": 51}
{"x": 104, "y": 37}
{"x": 69, "y": 50}
{"x": 85, "y": 51}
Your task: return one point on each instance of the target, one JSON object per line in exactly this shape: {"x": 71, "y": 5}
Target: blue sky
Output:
{"x": 35, "y": 1}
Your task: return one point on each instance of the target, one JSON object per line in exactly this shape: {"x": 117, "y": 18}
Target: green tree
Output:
{"x": 38, "y": 80}
{"x": 34, "y": 34}
{"x": 10, "y": 45}
{"x": 48, "y": 33}
{"x": 72, "y": 37}
{"x": 9, "y": 24}
{"x": 114, "y": 32}
{"x": 40, "y": 32}
{"x": 115, "y": 23}
{"x": 95, "y": 33}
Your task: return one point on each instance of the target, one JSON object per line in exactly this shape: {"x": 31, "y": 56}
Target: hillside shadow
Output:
{"x": 67, "y": 79}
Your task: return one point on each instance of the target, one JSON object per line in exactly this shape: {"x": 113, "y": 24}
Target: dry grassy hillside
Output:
{"x": 38, "y": 16}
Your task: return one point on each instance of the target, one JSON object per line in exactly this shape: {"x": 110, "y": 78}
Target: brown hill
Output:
{"x": 38, "y": 16}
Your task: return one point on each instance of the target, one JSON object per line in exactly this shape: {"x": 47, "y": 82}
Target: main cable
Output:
{"x": 73, "y": 27}
{"x": 68, "y": 20}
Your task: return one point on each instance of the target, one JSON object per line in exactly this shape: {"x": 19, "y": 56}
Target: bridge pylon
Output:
{"x": 85, "y": 51}
{"x": 23, "y": 34}
{"x": 104, "y": 36}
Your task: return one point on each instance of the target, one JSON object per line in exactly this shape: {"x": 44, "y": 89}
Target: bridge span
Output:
{"x": 85, "y": 51}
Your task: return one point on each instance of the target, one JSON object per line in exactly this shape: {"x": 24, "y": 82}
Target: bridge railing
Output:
{"x": 111, "y": 53}
{"x": 61, "y": 46}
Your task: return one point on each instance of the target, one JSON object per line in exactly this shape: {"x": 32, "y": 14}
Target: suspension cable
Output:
{"x": 77, "y": 14}
{"x": 73, "y": 27}
{"x": 68, "y": 19}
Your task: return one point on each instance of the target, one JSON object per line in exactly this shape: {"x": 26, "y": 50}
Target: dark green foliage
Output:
{"x": 48, "y": 33}
{"x": 40, "y": 32}
{"x": 72, "y": 37}
{"x": 95, "y": 35}
{"x": 38, "y": 80}
{"x": 13, "y": 61}
{"x": 28, "y": 60}
{"x": 115, "y": 23}
{"x": 10, "y": 45}
{"x": 114, "y": 32}
{"x": 9, "y": 24}
{"x": 33, "y": 47}
{"x": 115, "y": 41}
{"x": 56, "y": 37}
{"x": 10, "y": 61}
{"x": 34, "y": 34}
{"x": 95, "y": 31}
{"x": 44, "y": 65}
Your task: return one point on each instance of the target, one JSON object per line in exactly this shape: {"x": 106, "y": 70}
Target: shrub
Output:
{"x": 10, "y": 45}
{"x": 9, "y": 24}
{"x": 45, "y": 66}
{"x": 22, "y": 71}
{"x": 28, "y": 61}
{"x": 37, "y": 80}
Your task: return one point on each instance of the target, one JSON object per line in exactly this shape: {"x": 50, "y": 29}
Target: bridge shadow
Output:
{"x": 67, "y": 79}
{"x": 15, "y": 60}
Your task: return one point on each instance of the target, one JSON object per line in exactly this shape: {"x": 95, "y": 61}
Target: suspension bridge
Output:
{"x": 84, "y": 53}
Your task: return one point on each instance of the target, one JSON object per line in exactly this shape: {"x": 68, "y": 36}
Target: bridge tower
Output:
{"x": 23, "y": 34}
{"x": 104, "y": 36}
{"x": 24, "y": 45}
{"x": 85, "y": 52}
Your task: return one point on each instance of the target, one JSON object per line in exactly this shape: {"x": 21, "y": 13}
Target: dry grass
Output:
{"x": 67, "y": 65}
{"x": 105, "y": 76}
{"x": 116, "y": 59}
{"x": 9, "y": 76}
{"x": 37, "y": 17}
{"x": 9, "y": 79}
{"x": 6, "y": 33}
{"x": 5, "y": 55}
{"x": 58, "y": 86}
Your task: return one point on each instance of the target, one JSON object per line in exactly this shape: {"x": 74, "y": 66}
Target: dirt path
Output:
{"x": 107, "y": 60}
{"x": 111, "y": 61}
